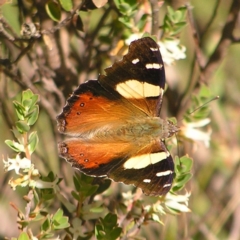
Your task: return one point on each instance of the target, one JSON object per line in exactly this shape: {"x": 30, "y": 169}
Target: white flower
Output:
{"x": 133, "y": 37}
{"x": 16, "y": 164}
{"x": 177, "y": 202}
{"x": 76, "y": 229}
{"x": 172, "y": 50}
{"x": 189, "y": 130}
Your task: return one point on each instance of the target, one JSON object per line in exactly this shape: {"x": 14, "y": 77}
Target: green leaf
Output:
{"x": 58, "y": 215}
{"x": 83, "y": 185}
{"x": 23, "y": 236}
{"x": 34, "y": 98}
{"x": 126, "y": 6}
{"x": 22, "y": 126}
{"x": 15, "y": 146}
{"x": 60, "y": 221}
{"x": 47, "y": 236}
{"x": 31, "y": 102}
{"x": 76, "y": 182}
{"x": 62, "y": 226}
{"x": 33, "y": 116}
{"x": 48, "y": 196}
{"x": 27, "y": 94}
{"x": 36, "y": 196}
{"x": 53, "y": 9}
{"x": 26, "y": 103}
{"x": 142, "y": 22}
{"x": 32, "y": 142}
{"x": 197, "y": 101}
{"x": 180, "y": 182}
{"x": 110, "y": 220}
{"x": 77, "y": 22}
{"x": 116, "y": 232}
{"x": 20, "y": 110}
{"x": 182, "y": 171}
{"x": 104, "y": 186}
{"x": 94, "y": 210}
{"x": 99, "y": 233}
{"x": 76, "y": 195}
{"x": 46, "y": 225}
{"x": 10, "y": 13}
{"x": 97, "y": 209}
{"x": 174, "y": 21}
{"x": 187, "y": 163}
{"x": 126, "y": 21}
{"x": 17, "y": 134}
{"x": 83, "y": 178}
{"x": 67, "y": 5}
{"x": 88, "y": 190}
{"x": 170, "y": 11}
{"x": 67, "y": 205}
{"x": 50, "y": 177}
{"x": 109, "y": 228}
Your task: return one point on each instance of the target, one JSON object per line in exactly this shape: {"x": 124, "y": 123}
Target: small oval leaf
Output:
{"x": 33, "y": 116}
{"x": 22, "y": 126}
{"x": 32, "y": 142}
{"x": 23, "y": 236}
{"x": 53, "y": 10}
{"x": 77, "y": 22}
{"x": 15, "y": 146}
{"x": 67, "y": 5}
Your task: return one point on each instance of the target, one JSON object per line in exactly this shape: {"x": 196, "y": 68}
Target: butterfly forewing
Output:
{"x": 115, "y": 126}
{"x": 139, "y": 76}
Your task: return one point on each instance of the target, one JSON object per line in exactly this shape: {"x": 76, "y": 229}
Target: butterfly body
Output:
{"x": 114, "y": 123}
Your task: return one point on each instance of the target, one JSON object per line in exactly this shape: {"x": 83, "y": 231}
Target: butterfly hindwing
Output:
{"x": 151, "y": 168}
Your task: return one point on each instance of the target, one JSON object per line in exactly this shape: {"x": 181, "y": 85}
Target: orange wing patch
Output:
{"x": 91, "y": 156}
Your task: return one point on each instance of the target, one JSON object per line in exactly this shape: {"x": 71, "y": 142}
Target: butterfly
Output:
{"x": 114, "y": 124}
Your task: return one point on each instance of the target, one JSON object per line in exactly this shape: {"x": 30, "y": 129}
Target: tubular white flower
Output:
{"x": 189, "y": 130}
{"x": 16, "y": 164}
{"x": 172, "y": 50}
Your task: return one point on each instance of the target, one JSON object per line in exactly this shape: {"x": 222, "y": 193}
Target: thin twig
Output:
{"x": 199, "y": 54}
{"x": 224, "y": 43}
{"x": 155, "y": 17}
{"x": 64, "y": 22}
{"x": 213, "y": 16}
{"x": 217, "y": 56}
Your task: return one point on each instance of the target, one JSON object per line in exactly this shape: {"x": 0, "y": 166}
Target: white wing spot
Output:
{"x": 161, "y": 174}
{"x": 135, "y": 89}
{"x": 167, "y": 185}
{"x": 153, "y": 66}
{"x": 154, "y": 49}
{"x": 145, "y": 160}
{"x": 147, "y": 180}
{"x": 135, "y": 61}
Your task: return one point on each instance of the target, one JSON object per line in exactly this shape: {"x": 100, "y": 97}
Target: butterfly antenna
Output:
{"x": 196, "y": 109}
{"x": 178, "y": 150}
